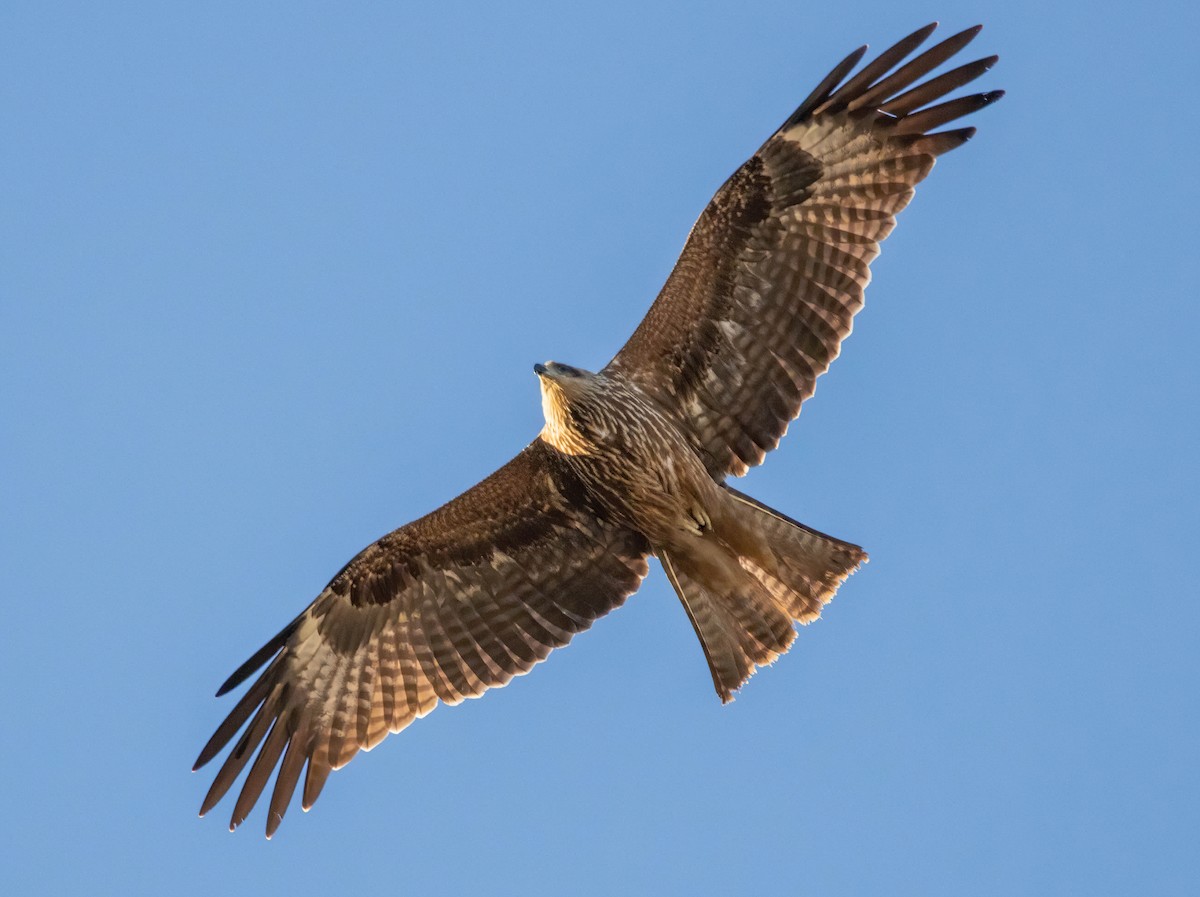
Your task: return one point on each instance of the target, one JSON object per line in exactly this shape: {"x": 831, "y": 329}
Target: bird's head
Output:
{"x": 562, "y": 374}
{"x": 563, "y": 382}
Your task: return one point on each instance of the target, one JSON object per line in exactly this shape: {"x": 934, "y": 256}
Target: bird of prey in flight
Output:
{"x": 633, "y": 460}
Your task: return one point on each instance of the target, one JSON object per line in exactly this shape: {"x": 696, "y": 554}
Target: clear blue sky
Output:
{"x": 271, "y": 281}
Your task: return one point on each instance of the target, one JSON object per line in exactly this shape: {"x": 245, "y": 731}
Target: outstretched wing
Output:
{"x": 774, "y": 270}
{"x": 457, "y": 602}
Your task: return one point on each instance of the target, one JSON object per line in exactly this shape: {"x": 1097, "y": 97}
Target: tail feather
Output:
{"x": 743, "y": 590}
{"x": 801, "y": 567}
{"x": 739, "y": 629}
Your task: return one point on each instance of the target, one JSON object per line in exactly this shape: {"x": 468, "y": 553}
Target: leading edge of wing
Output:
{"x": 459, "y": 601}
{"x": 774, "y": 270}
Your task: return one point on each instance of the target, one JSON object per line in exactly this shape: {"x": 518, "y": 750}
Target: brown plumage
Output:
{"x": 631, "y": 462}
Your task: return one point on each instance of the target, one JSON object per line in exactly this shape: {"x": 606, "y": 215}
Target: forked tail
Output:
{"x": 744, "y": 588}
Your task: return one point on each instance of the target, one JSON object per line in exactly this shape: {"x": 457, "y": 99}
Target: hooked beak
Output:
{"x": 539, "y": 369}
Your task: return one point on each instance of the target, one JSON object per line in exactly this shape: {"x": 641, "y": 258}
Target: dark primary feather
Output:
{"x": 774, "y": 270}
{"x": 457, "y": 602}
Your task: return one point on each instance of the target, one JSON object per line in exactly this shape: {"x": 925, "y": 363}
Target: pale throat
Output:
{"x": 558, "y": 431}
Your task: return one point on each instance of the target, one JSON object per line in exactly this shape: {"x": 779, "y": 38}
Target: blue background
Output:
{"x": 272, "y": 278}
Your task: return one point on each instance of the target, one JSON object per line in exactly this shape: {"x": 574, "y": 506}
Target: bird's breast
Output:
{"x": 640, "y": 466}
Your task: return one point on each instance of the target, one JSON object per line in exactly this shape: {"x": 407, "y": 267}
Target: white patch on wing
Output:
{"x": 731, "y": 329}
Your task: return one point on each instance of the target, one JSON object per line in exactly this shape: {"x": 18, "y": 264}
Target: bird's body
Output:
{"x": 629, "y": 455}
{"x": 632, "y": 462}
{"x": 743, "y": 572}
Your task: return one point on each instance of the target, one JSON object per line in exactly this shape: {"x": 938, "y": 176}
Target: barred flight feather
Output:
{"x": 788, "y": 240}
